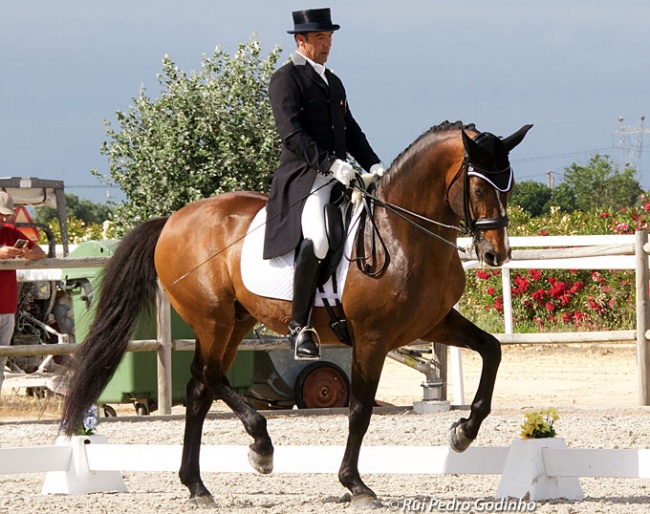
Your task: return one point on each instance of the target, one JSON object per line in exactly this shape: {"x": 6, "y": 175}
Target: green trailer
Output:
{"x": 135, "y": 380}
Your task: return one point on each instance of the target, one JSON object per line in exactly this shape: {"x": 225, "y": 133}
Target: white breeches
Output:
{"x": 313, "y": 215}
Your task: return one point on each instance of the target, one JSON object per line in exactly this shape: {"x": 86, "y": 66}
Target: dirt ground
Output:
{"x": 593, "y": 387}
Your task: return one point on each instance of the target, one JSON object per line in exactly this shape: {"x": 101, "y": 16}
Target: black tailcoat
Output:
{"x": 316, "y": 128}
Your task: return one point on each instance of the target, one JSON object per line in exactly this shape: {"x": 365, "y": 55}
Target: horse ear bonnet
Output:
{"x": 500, "y": 179}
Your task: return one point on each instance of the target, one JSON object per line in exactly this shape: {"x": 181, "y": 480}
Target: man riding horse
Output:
{"x": 317, "y": 131}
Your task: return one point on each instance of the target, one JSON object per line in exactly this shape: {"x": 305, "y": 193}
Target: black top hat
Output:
{"x": 312, "y": 20}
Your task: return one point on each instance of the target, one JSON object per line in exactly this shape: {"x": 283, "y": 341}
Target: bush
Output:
{"x": 560, "y": 300}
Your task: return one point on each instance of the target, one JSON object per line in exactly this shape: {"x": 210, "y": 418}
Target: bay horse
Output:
{"x": 442, "y": 179}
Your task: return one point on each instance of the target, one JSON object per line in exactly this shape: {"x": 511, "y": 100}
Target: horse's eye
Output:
{"x": 477, "y": 192}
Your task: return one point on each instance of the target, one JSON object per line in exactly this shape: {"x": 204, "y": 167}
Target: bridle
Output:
{"x": 472, "y": 226}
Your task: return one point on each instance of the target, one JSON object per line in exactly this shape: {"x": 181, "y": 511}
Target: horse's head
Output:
{"x": 478, "y": 194}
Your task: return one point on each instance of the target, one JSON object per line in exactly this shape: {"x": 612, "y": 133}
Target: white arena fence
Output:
{"x": 538, "y": 469}
{"x": 597, "y": 252}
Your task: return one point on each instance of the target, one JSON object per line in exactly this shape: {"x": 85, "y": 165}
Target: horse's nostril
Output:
{"x": 492, "y": 259}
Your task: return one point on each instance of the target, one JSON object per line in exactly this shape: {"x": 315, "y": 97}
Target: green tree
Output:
{"x": 532, "y": 196}
{"x": 82, "y": 209}
{"x": 598, "y": 185}
{"x": 564, "y": 197}
{"x": 210, "y": 131}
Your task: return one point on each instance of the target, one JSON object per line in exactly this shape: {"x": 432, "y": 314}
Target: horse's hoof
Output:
{"x": 365, "y": 502}
{"x": 263, "y": 464}
{"x": 203, "y": 502}
{"x": 458, "y": 440}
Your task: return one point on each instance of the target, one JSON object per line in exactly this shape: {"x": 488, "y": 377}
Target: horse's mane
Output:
{"x": 445, "y": 126}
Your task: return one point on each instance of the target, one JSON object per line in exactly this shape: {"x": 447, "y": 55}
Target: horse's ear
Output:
{"x": 513, "y": 140}
{"x": 474, "y": 150}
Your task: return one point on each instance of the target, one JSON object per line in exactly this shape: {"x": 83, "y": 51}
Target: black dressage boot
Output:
{"x": 305, "y": 277}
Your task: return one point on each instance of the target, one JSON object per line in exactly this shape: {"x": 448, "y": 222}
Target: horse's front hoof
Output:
{"x": 263, "y": 464}
{"x": 365, "y": 502}
{"x": 458, "y": 440}
{"x": 203, "y": 502}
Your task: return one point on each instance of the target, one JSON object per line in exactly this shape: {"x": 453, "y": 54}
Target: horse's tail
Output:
{"x": 128, "y": 286}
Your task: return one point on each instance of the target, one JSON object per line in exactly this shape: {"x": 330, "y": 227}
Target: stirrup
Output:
{"x": 295, "y": 346}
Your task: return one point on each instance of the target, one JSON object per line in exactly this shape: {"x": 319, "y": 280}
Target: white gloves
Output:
{"x": 343, "y": 172}
{"x": 377, "y": 169}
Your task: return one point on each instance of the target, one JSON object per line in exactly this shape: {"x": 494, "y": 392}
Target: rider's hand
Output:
{"x": 377, "y": 169}
{"x": 343, "y": 172}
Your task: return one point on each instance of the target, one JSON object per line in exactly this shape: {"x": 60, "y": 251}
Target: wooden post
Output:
{"x": 164, "y": 336}
{"x": 642, "y": 317}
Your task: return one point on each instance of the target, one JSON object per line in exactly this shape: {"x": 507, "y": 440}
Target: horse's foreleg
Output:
{"x": 365, "y": 379}
{"x": 199, "y": 400}
{"x": 455, "y": 330}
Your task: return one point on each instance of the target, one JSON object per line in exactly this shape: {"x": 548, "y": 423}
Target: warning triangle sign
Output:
{"x": 22, "y": 216}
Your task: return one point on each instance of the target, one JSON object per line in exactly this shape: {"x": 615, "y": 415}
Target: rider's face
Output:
{"x": 315, "y": 45}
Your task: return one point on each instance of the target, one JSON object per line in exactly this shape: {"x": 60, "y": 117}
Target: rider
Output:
{"x": 317, "y": 131}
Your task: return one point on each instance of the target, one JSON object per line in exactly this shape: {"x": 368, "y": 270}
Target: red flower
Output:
{"x": 550, "y": 306}
{"x": 491, "y": 291}
{"x": 498, "y": 303}
{"x": 534, "y": 274}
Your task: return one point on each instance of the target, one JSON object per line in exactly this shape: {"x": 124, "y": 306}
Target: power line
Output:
{"x": 558, "y": 155}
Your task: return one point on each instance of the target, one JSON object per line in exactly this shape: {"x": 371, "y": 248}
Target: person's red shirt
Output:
{"x": 8, "y": 284}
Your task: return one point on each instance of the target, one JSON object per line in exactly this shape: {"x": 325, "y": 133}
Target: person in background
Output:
{"x": 13, "y": 245}
{"x": 318, "y": 132}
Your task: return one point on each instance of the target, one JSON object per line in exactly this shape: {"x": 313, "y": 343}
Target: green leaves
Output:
{"x": 595, "y": 186}
{"x": 208, "y": 132}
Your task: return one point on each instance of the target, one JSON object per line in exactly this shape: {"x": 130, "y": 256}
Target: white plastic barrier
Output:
{"x": 536, "y": 469}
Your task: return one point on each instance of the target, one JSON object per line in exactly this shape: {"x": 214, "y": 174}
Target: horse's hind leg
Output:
{"x": 199, "y": 400}
{"x": 455, "y": 330}
{"x": 260, "y": 453}
{"x": 209, "y": 382}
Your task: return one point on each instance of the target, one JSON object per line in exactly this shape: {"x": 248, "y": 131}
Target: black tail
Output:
{"x": 128, "y": 286}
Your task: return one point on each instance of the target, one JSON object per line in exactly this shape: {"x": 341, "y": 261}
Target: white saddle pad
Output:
{"x": 273, "y": 278}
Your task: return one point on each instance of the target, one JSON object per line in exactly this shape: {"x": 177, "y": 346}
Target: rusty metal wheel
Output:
{"x": 322, "y": 385}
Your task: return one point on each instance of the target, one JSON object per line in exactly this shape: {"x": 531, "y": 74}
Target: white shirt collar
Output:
{"x": 318, "y": 68}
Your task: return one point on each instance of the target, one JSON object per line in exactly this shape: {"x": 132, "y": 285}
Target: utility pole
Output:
{"x": 551, "y": 180}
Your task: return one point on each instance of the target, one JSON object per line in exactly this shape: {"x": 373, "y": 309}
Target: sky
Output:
{"x": 570, "y": 67}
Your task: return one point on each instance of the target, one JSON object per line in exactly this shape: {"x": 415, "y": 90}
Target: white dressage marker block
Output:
{"x": 525, "y": 476}
{"x": 79, "y": 478}
{"x": 431, "y": 406}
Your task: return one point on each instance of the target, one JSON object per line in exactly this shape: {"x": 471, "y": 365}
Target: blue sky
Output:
{"x": 570, "y": 67}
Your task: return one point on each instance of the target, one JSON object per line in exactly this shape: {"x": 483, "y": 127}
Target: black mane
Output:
{"x": 441, "y": 127}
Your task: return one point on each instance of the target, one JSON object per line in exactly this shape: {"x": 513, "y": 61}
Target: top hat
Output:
{"x": 6, "y": 204}
{"x": 312, "y": 20}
